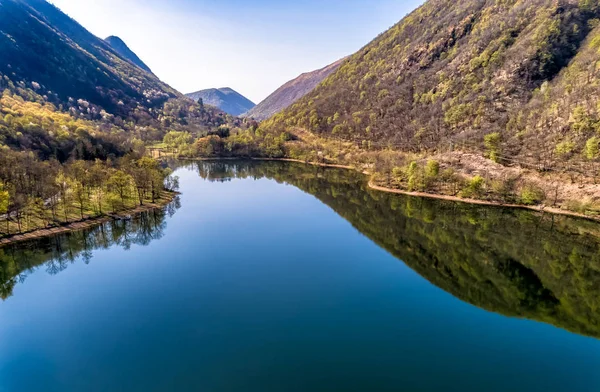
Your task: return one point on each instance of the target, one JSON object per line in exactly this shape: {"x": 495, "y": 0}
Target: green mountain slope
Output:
{"x": 454, "y": 71}
{"x": 226, "y": 99}
{"x": 121, "y": 47}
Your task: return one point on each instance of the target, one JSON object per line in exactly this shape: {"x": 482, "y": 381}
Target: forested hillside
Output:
{"x": 46, "y": 47}
{"x": 65, "y": 65}
{"x": 75, "y": 117}
{"x": 453, "y": 72}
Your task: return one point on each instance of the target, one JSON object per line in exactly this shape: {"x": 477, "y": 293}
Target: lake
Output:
{"x": 285, "y": 277}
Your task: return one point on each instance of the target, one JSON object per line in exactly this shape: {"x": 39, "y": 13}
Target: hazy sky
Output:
{"x": 251, "y": 46}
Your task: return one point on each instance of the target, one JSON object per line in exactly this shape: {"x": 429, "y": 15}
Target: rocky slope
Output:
{"x": 291, "y": 92}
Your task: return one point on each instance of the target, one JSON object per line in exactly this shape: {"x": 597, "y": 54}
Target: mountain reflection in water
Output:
{"x": 517, "y": 263}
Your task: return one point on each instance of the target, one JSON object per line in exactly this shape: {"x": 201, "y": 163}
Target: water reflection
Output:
{"x": 55, "y": 254}
{"x": 515, "y": 262}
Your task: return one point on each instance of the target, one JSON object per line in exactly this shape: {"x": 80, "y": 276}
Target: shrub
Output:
{"x": 532, "y": 195}
{"x": 564, "y": 148}
{"x": 432, "y": 170}
{"x": 398, "y": 173}
{"x": 504, "y": 190}
{"x": 474, "y": 188}
{"x": 580, "y": 206}
{"x": 592, "y": 150}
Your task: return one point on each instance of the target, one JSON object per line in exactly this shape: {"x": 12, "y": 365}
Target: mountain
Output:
{"x": 455, "y": 71}
{"x": 117, "y": 44}
{"x": 66, "y": 94}
{"x": 46, "y": 47}
{"x": 290, "y": 92}
{"x": 226, "y": 99}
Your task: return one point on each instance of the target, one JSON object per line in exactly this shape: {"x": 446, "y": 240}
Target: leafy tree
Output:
{"x": 64, "y": 185}
{"x": 492, "y": 145}
{"x": 432, "y": 169}
{"x": 592, "y": 150}
{"x": 4, "y": 203}
{"x": 119, "y": 183}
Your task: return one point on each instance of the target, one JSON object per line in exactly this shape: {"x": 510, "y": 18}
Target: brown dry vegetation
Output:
{"x": 497, "y": 100}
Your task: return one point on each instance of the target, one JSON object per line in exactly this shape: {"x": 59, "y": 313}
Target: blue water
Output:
{"x": 258, "y": 286}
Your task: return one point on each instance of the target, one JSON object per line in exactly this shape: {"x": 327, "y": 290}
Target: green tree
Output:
{"x": 64, "y": 185}
{"x": 415, "y": 177}
{"x": 4, "y": 203}
{"x": 176, "y": 141}
{"x": 119, "y": 183}
{"x": 432, "y": 170}
{"x": 492, "y": 145}
{"x": 592, "y": 150}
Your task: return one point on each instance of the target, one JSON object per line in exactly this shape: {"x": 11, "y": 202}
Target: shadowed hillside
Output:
{"x": 117, "y": 44}
{"x": 226, "y": 99}
{"x": 46, "y": 47}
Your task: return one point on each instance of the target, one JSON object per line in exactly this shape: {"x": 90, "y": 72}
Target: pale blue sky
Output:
{"x": 251, "y": 46}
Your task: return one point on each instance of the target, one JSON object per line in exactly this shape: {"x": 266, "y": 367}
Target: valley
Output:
{"x": 427, "y": 203}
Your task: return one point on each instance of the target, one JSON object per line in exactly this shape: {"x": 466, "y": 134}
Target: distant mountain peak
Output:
{"x": 225, "y": 98}
{"x": 121, "y": 47}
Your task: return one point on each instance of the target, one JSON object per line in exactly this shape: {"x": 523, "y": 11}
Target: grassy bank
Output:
{"x": 40, "y": 227}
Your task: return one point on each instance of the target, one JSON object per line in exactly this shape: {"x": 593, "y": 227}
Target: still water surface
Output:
{"x": 282, "y": 277}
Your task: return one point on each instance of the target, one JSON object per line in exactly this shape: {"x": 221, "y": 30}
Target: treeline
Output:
{"x": 477, "y": 174}
{"x": 37, "y": 194}
{"x": 245, "y": 141}
{"x": 29, "y": 121}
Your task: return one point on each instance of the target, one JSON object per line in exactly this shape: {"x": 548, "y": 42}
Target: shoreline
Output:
{"x": 371, "y": 185}
{"x": 86, "y": 223}
{"x": 541, "y": 209}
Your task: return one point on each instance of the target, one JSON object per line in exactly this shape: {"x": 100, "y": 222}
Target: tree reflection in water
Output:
{"x": 519, "y": 263}
{"x": 55, "y": 253}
